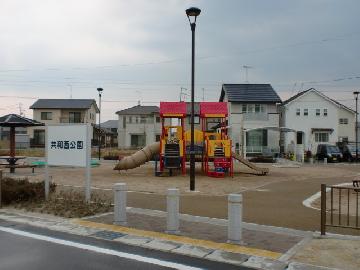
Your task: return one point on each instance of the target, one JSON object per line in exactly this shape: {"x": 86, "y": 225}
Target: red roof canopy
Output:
{"x": 175, "y": 109}
{"x": 213, "y": 108}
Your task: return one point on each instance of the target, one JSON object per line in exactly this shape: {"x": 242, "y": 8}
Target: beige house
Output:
{"x": 56, "y": 111}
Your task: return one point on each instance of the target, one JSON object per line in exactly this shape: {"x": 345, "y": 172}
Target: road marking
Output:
{"x": 100, "y": 250}
{"x": 181, "y": 239}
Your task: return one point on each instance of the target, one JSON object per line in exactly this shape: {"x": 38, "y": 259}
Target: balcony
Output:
{"x": 255, "y": 116}
{"x": 71, "y": 120}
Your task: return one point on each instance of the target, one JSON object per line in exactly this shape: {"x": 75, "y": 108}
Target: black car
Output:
{"x": 331, "y": 152}
{"x": 349, "y": 152}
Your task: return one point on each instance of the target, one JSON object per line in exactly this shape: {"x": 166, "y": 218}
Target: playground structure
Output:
{"x": 213, "y": 147}
{"x": 172, "y": 153}
{"x": 217, "y": 159}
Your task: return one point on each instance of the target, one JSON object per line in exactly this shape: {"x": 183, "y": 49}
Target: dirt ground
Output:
{"x": 142, "y": 179}
{"x": 275, "y": 199}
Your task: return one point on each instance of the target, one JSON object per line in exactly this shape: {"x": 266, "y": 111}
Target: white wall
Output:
{"x": 150, "y": 129}
{"x": 312, "y": 101}
{"x": 239, "y": 121}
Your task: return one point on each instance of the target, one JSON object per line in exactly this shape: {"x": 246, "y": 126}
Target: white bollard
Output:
{"x": 325, "y": 160}
{"x": 172, "y": 207}
{"x": 311, "y": 160}
{"x": 120, "y": 203}
{"x": 235, "y": 218}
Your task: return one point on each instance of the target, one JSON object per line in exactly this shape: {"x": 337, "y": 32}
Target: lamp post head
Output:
{"x": 100, "y": 91}
{"x": 193, "y": 12}
{"x": 356, "y": 93}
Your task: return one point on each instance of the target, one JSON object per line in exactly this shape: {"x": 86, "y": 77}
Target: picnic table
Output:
{"x": 11, "y": 162}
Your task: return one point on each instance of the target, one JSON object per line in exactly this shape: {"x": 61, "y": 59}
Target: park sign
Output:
{"x": 68, "y": 145}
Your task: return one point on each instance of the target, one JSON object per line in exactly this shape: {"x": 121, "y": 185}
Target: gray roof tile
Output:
{"x": 260, "y": 93}
{"x": 139, "y": 110}
{"x": 64, "y": 104}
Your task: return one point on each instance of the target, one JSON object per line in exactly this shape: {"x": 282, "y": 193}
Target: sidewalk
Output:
{"x": 265, "y": 247}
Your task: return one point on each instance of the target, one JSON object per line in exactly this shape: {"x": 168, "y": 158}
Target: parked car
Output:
{"x": 331, "y": 152}
{"x": 349, "y": 152}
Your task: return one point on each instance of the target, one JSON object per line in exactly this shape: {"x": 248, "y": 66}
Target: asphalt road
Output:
{"x": 31, "y": 248}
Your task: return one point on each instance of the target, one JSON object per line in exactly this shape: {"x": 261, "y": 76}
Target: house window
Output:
{"x": 317, "y": 112}
{"x": 124, "y": 121}
{"x": 137, "y": 119}
{"x": 196, "y": 119}
{"x": 39, "y": 137}
{"x": 157, "y": 137}
{"x": 244, "y": 108}
{"x": 157, "y": 119}
{"x": 343, "y": 121}
{"x": 129, "y": 119}
{"x": 306, "y": 112}
{"x": 143, "y": 119}
{"x": 74, "y": 117}
{"x": 46, "y": 115}
{"x": 321, "y": 137}
{"x": 298, "y": 112}
{"x": 325, "y": 112}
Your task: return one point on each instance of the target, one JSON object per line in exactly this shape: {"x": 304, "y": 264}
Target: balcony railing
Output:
{"x": 256, "y": 116}
{"x": 71, "y": 120}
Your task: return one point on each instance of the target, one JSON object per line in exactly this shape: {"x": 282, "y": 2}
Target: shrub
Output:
{"x": 15, "y": 191}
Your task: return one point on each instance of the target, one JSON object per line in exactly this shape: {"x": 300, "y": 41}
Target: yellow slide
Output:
{"x": 251, "y": 165}
{"x": 140, "y": 157}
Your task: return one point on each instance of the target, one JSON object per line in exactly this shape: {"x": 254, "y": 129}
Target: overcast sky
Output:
{"x": 141, "y": 50}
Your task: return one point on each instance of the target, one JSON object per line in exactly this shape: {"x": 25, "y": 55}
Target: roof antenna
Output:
{"x": 70, "y": 90}
{"x": 246, "y": 72}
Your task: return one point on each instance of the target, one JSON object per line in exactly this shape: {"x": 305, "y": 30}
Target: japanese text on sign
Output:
{"x": 67, "y": 145}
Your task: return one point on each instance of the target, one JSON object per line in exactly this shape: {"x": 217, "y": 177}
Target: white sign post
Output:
{"x": 69, "y": 145}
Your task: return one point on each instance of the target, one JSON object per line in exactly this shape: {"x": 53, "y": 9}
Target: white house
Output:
{"x": 138, "y": 126}
{"x": 55, "y": 111}
{"x": 315, "y": 119}
{"x": 252, "y": 113}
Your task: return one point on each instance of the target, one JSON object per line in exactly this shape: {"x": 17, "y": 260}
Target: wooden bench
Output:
{"x": 20, "y": 166}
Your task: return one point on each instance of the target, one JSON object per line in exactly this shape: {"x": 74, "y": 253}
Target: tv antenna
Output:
{"x": 70, "y": 90}
{"x": 246, "y": 67}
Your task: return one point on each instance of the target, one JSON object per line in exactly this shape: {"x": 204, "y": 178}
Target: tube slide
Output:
{"x": 138, "y": 158}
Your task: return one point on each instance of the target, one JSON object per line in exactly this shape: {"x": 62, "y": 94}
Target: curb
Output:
{"x": 220, "y": 252}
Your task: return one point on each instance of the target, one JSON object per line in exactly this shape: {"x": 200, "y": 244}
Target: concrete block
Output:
{"x": 161, "y": 245}
{"x": 120, "y": 190}
{"x": 172, "y": 207}
{"x": 303, "y": 266}
{"x": 227, "y": 257}
{"x": 194, "y": 251}
{"x": 264, "y": 263}
{"x": 133, "y": 240}
{"x": 235, "y": 218}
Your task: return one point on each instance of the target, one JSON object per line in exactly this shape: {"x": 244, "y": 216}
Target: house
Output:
{"x": 138, "y": 126}
{"x": 56, "y": 111}
{"x": 315, "y": 119}
{"x": 252, "y": 115}
{"x": 109, "y": 133}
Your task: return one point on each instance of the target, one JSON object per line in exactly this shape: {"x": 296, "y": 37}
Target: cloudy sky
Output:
{"x": 140, "y": 50}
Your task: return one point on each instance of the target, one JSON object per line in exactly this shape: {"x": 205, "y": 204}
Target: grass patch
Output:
{"x": 30, "y": 196}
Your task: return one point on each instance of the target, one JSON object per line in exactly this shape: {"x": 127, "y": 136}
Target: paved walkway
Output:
{"x": 259, "y": 253}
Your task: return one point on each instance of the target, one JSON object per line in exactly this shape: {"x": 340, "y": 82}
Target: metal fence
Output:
{"x": 340, "y": 206}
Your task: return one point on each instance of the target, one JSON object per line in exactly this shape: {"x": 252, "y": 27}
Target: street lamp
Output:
{"x": 356, "y": 94}
{"x": 192, "y": 14}
{"x": 99, "y": 141}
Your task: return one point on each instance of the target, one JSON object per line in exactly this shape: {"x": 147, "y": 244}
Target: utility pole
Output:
{"x": 356, "y": 94}
{"x": 203, "y": 92}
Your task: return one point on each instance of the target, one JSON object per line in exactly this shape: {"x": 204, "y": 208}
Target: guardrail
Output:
{"x": 341, "y": 208}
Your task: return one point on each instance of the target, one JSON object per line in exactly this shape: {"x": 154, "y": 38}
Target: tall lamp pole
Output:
{"x": 356, "y": 94}
{"x": 99, "y": 141}
{"x": 192, "y": 14}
